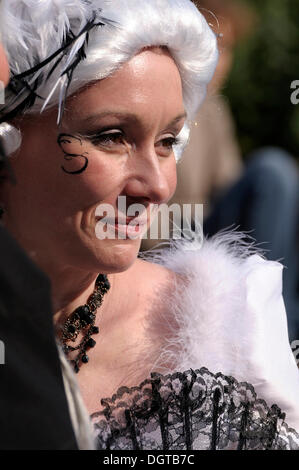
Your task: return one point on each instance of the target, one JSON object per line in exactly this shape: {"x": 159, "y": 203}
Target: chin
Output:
{"x": 120, "y": 256}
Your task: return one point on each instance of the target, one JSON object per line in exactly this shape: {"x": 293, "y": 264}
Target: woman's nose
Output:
{"x": 150, "y": 177}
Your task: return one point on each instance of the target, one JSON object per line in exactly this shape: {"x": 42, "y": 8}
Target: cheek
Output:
{"x": 103, "y": 176}
{"x": 171, "y": 175}
{"x": 63, "y": 193}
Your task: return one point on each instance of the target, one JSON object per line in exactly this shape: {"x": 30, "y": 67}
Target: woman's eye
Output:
{"x": 108, "y": 139}
{"x": 170, "y": 142}
{"x": 166, "y": 145}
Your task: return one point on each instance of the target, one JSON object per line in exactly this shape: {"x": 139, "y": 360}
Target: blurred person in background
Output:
{"x": 4, "y": 72}
{"x": 259, "y": 195}
{"x": 34, "y": 411}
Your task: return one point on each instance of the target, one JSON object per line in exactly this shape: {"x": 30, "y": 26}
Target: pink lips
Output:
{"x": 124, "y": 221}
{"x": 126, "y": 227}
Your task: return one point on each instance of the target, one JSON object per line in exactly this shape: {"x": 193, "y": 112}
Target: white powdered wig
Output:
{"x": 33, "y": 30}
{"x": 11, "y": 137}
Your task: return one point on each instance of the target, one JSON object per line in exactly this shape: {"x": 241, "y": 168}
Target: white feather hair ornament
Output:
{"x": 51, "y": 20}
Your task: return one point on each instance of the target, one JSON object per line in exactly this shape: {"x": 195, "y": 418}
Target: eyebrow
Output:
{"x": 124, "y": 115}
{"x": 178, "y": 118}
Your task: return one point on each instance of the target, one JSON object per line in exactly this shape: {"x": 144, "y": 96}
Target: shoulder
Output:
{"x": 225, "y": 267}
{"x": 143, "y": 286}
{"x": 151, "y": 277}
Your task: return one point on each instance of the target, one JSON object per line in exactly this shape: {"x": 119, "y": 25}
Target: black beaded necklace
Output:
{"x": 83, "y": 318}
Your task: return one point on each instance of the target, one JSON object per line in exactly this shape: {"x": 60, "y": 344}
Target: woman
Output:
{"x": 116, "y": 87}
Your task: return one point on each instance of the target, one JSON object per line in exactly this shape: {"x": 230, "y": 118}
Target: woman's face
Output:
{"x": 116, "y": 140}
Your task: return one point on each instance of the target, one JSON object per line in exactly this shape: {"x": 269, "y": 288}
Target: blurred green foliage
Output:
{"x": 259, "y": 86}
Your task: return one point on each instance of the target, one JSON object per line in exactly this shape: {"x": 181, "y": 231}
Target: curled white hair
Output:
{"x": 34, "y": 29}
{"x": 11, "y": 137}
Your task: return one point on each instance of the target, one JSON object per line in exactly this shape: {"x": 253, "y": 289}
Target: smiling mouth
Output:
{"x": 124, "y": 227}
{"x": 123, "y": 221}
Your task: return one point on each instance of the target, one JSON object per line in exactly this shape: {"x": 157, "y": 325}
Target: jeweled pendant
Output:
{"x": 83, "y": 318}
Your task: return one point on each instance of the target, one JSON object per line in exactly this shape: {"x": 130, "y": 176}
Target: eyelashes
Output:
{"x": 112, "y": 141}
{"x": 171, "y": 141}
{"x": 115, "y": 139}
{"x": 107, "y": 138}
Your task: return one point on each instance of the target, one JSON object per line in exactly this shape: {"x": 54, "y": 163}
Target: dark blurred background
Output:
{"x": 266, "y": 62}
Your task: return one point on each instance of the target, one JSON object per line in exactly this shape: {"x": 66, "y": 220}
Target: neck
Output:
{"x": 71, "y": 288}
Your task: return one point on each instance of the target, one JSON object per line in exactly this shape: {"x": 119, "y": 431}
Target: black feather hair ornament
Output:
{"x": 23, "y": 86}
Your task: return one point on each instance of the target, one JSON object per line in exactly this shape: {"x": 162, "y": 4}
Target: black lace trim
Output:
{"x": 195, "y": 410}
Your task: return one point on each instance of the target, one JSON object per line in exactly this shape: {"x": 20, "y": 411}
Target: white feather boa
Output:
{"x": 229, "y": 317}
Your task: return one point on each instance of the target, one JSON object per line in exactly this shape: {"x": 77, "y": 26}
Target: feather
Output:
{"x": 63, "y": 87}
{"x": 224, "y": 310}
{"x": 23, "y": 86}
{"x": 58, "y": 82}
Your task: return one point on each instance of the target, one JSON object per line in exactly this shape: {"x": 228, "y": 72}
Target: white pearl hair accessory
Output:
{"x": 11, "y": 137}
{"x": 183, "y": 139}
